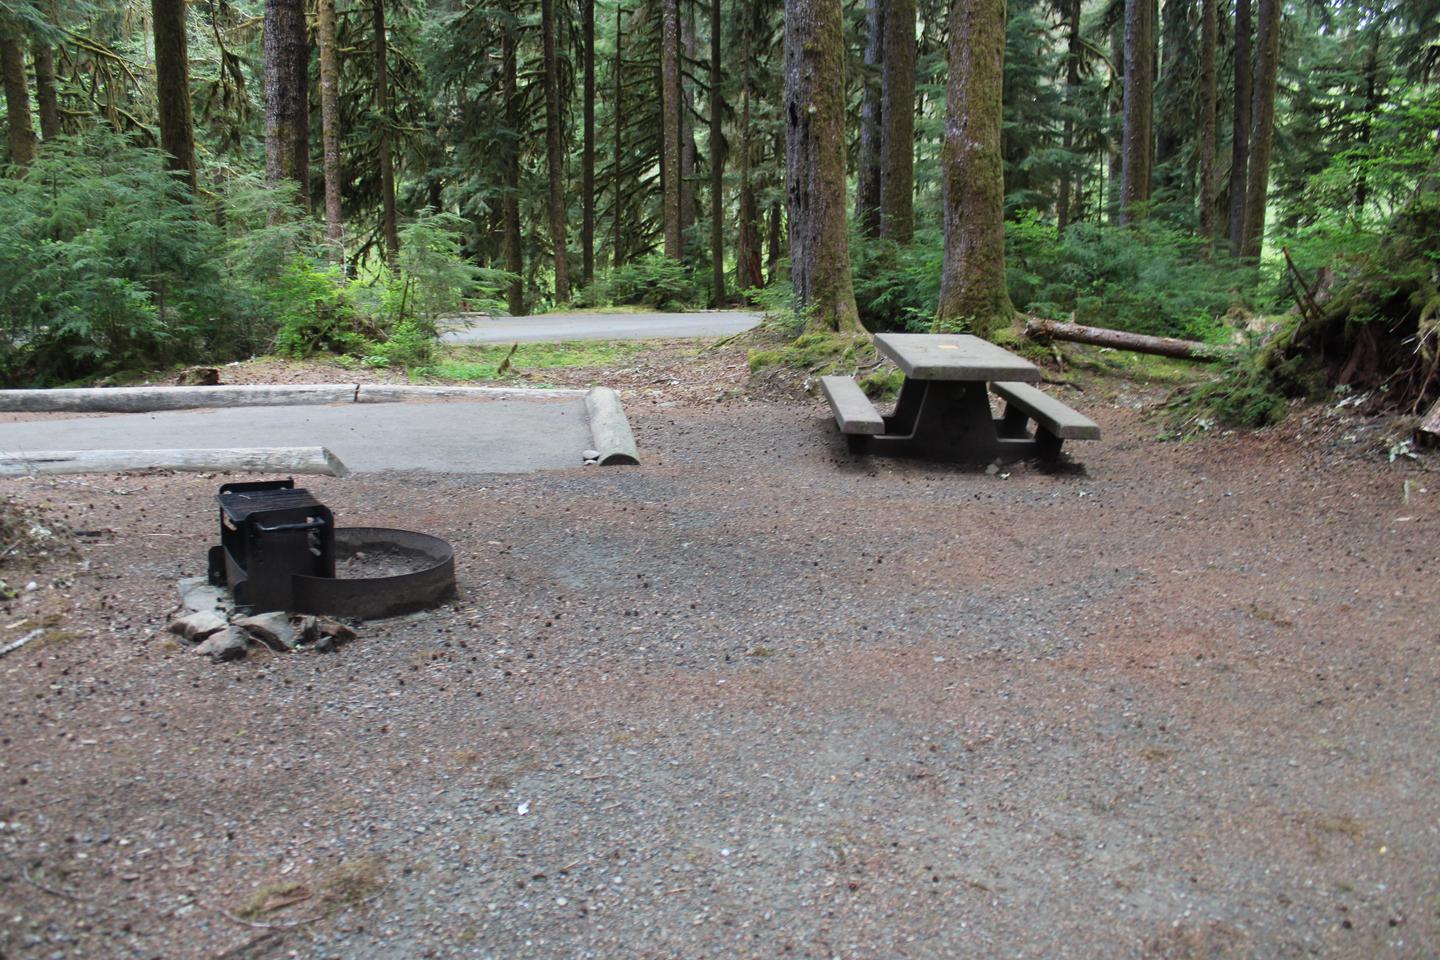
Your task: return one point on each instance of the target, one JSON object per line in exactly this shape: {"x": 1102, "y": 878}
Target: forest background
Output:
{"x": 222, "y": 178}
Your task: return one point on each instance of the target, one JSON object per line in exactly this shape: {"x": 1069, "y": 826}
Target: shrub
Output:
{"x": 654, "y": 281}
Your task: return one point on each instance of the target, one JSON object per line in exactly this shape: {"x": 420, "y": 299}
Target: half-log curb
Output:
{"x": 611, "y": 441}
{"x": 150, "y": 399}
{"x": 306, "y": 460}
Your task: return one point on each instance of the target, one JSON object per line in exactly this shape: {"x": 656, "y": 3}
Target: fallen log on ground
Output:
{"x": 316, "y": 460}
{"x": 1047, "y": 330}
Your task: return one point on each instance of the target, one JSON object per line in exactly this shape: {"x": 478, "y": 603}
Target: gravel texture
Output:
{"x": 757, "y": 698}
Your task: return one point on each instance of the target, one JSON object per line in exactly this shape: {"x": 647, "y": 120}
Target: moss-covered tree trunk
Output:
{"x": 814, "y": 114}
{"x": 1262, "y": 127}
{"x": 867, "y": 164}
{"x": 1114, "y": 165}
{"x": 20, "y": 132}
{"x": 287, "y": 98}
{"x": 670, "y": 106}
{"x": 172, "y": 87}
{"x": 1209, "y": 35}
{"x": 897, "y": 117}
{"x": 1139, "y": 109}
{"x": 972, "y": 285}
{"x": 555, "y": 151}
{"x": 46, "y": 96}
{"x": 389, "y": 221}
{"x": 1240, "y": 126}
{"x": 510, "y": 158}
{"x": 747, "y": 232}
{"x": 330, "y": 126}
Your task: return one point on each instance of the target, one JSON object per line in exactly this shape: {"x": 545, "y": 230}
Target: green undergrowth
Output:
{"x": 483, "y": 362}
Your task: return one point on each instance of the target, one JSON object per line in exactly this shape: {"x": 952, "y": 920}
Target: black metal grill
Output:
{"x": 270, "y": 532}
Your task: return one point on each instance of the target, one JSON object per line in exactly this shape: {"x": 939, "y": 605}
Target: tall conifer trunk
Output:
{"x": 1139, "y": 108}
{"x": 897, "y": 118}
{"x": 1209, "y": 40}
{"x": 1262, "y": 126}
{"x": 867, "y": 167}
{"x": 555, "y": 151}
{"x": 617, "y": 253}
{"x": 717, "y": 164}
{"x": 814, "y": 115}
{"x": 287, "y": 99}
{"x": 46, "y": 98}
{"x": 747, "y": 234}
{"x": 1114, "y": 167}
{"x": 670, "y": 107}
{"x": 1072, "y": 89}
{"x": 587, "y": 157}
{"x": 972, "y": 282}
{"x": 330, "y": 127}
{"x": 689, "y": 152}
{"x": 389, "y": 227}
{"x": 172, "y": 87}
{"x": 20, "y": 132}
{"x": 1240, "y": 126}
{"x": 510, "y": 203}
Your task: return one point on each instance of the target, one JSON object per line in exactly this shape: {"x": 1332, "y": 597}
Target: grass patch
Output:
{"x": 817, "y": 353}
{"x": 482, "y": 362}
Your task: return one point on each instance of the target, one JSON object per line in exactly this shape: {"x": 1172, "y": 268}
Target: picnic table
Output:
{"x": 943, "y": 411}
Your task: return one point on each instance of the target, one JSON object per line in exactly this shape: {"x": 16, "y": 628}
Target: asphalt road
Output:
{"x": 599, "y": 326}
{"x": 486, "y": 436}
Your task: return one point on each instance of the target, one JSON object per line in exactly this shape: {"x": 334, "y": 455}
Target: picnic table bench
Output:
{"x": 943, "y": 411}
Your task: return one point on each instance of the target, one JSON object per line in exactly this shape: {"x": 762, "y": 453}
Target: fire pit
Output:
{"x": 280, "y": 550}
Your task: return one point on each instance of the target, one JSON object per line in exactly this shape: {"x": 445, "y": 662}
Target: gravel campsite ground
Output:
{"x": 758, "y": 698}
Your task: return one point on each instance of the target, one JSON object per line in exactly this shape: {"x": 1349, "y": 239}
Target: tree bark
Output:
{"x": 1046, "y": 330}
{"x": 287, "y": 99}
{"x": 897, "y": 118}
{"x": 689, "y": 152}
{"x": 867, "y": 167}
{"x": 510, "y": 202}
{"x": 46, "y": 97}
{"x": 1262, "y": 127}
{"x": 1209, "y": 34}
{"x": 172, "y": 87}
{"x": 1114, "y": 161}
{"x": 747, "y": 235}
{"x": 389, "y": 225}
{"x": 617, "y": 252}
{"x": 973, "y": 295}
{"x": 1240, "y": 126}
{"x": 717, "y": 164}
{"x": 21, "y": 134}
{"x": 330, "y": 127}
{"x": 555, "y": 151}
{"x": 1072, "y": 92}
{"x": 1139, "y": 109}
{"x": 587, "y": 155}
{"x": 670, "y": 107}
{"x": 815, "y": 165}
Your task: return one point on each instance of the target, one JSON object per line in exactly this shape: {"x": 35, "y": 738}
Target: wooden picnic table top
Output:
{"x": 953, "y": 356}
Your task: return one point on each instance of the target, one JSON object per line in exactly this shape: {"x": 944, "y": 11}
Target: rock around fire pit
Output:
{"x": 280, "y": 550}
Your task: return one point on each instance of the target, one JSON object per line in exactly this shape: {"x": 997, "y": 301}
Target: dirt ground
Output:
{"x": 757, "y": 698}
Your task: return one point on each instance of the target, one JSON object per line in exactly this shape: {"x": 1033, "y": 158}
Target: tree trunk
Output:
{"x": 46, "y": 97}
{"x": 815, "y": 165}
{"x": 330, "y": 127}
{"x": 1046, "y": 330}
{"x": 747, "y": 235}
{"x": 555, "y": 151}
{"x": 1208, "y": 42}
{"x": 1262, "y": 127}
{"x": 21, "y": 135}
{"x": 1072, "y": 92}
{"x": 897, "y": 118}
{"x": 1372, "y": 106}
{"x": 172, "y": 87}
{"x": 670, "y": 107}
{"x": 1139, "y": 109}
{"x": 287, "y": 99}
{"x": 774, "y": 238}
{"x": 717, "y": 163}
{"x": 689, "y": 152}
{"x": 972, "y": 282}
{"x": 617, "y": 252}
{"x": 1116, "y": 106}
{"x": 867, "y": 167}
{"x": 510, "y": 203}
{"x": 389, "y": 227}
{"x": 587, "y": 157}
{"x": 1240, "y": 126}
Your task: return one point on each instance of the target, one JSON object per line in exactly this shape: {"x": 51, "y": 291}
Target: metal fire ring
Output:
{"x": 373, "y": 598}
